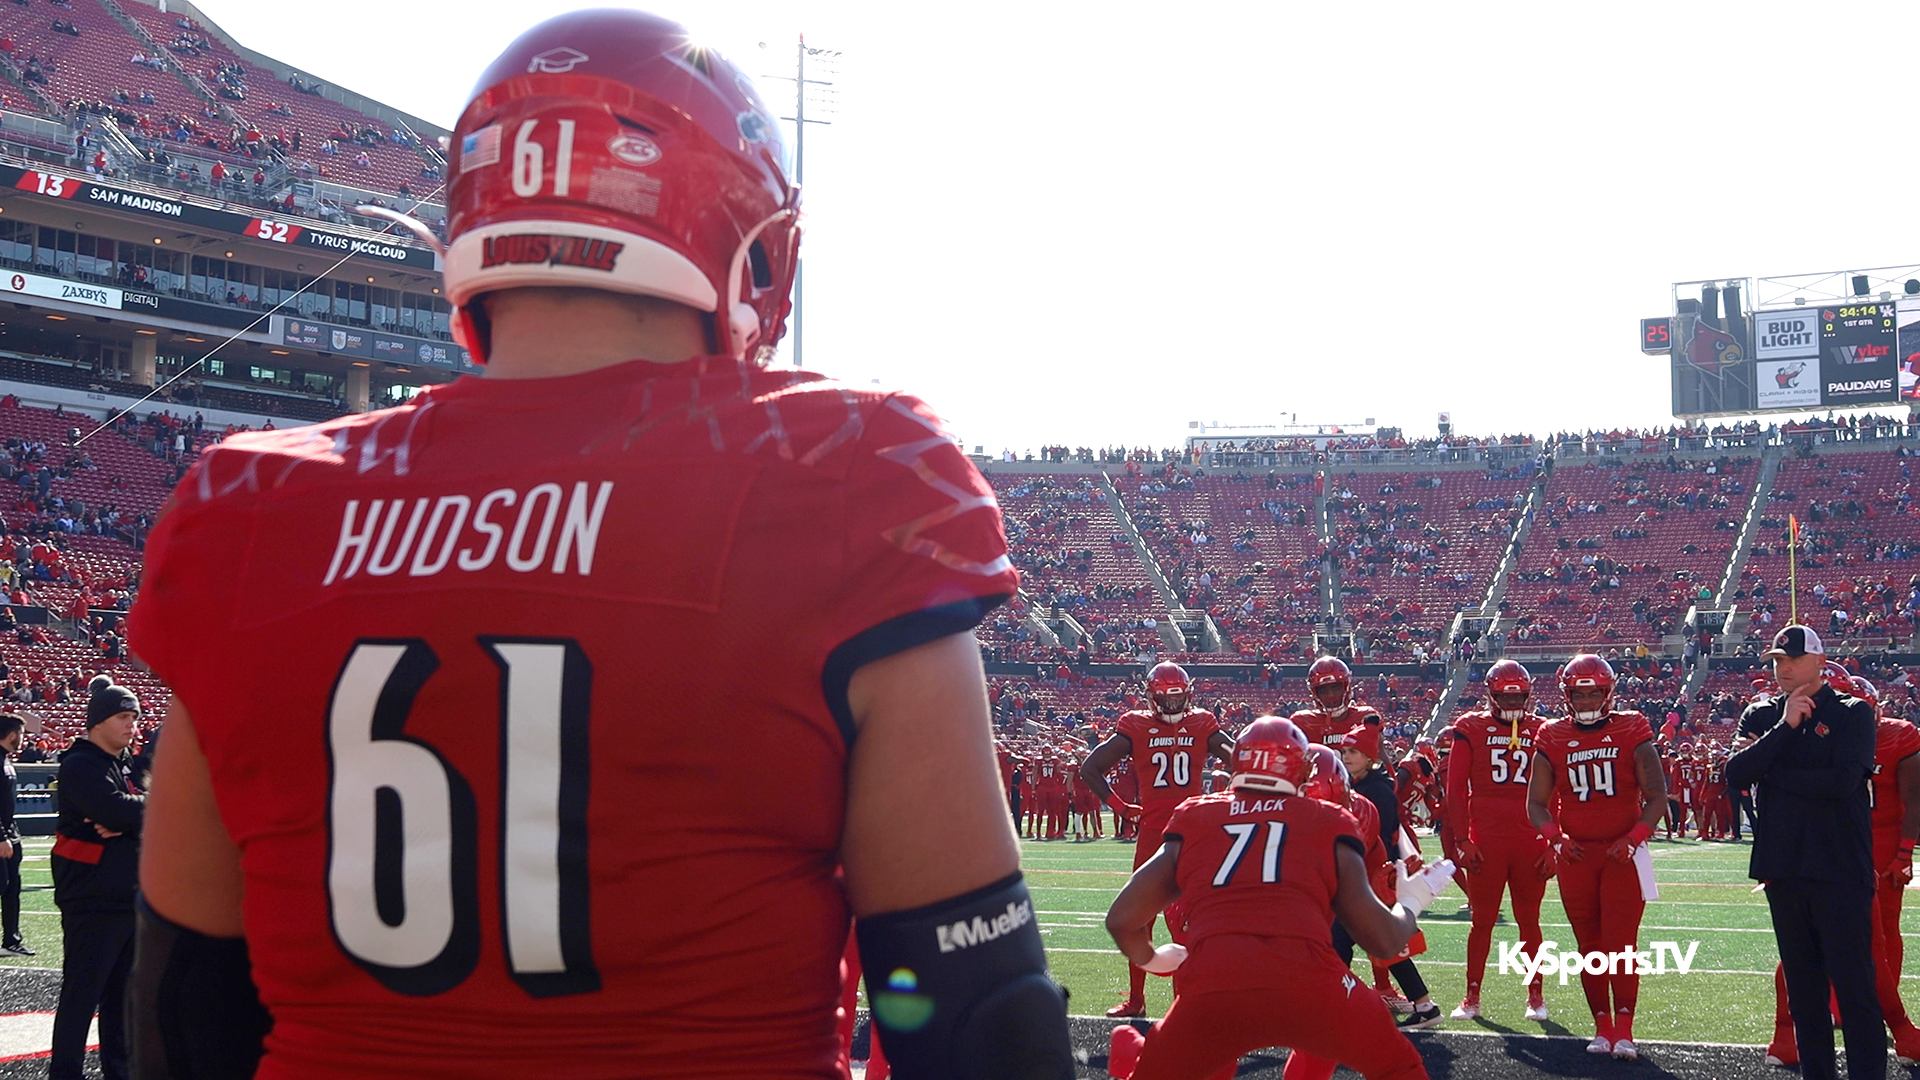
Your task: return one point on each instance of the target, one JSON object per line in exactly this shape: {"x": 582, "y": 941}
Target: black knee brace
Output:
{"x": 959, "y": 990}
{"x": 192, "y": 1008}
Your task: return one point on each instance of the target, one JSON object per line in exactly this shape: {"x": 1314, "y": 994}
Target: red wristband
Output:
{"x": 1906, "y": 848}
{"x": 1550, "y": 830}
{"x": 1639, "y": 833}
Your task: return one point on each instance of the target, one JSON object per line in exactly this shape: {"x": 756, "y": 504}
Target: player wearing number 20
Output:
{"x": 534, "y": 721}
{"x": 1169, "y": 746}
{"x": 1503, "y": 852}
{"x": 1602, "y": 765}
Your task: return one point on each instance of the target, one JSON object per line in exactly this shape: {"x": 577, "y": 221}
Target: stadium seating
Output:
{"x": 1073, "y": 555}
{"x": 92, "y": 66}
{"x": 1660, "y": 534}
{"x": 1245, "y": 552}
{"x": 1860, "y": 531}
{"x": 316, "y": 118}
{"x": 1416, "y": 548}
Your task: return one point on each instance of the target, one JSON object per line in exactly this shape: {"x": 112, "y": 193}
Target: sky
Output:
{"x": 1091, "y": 224}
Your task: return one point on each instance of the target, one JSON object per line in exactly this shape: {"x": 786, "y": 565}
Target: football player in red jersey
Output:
{"x": 1169, "y": 747}
{"x": 1502, "y": 850}
{"x": 1601, "y": 765}
{"x": 1894, "y": 794}
{"x": 1262, "y": 870}
{"x": 423, "y": 797}
{"x": 1334, "y": 712}
{"x": 1052, "y": 789}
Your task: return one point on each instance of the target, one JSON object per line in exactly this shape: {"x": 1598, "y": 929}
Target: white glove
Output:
{"x": 1166, "y": 959}
{"x": 1416, "y": 891}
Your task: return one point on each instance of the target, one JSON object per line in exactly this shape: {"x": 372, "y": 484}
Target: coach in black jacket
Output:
{"x": 1810, "y": 750}
{"x": 96, "y": 864}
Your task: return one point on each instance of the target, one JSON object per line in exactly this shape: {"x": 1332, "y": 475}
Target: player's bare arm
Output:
{"x": 189, "y": 866}
{"x": 1150, "y": 890}
{"x": 1380, "y": 930}
{"x": 1094, "y": 770}
{"x": 1653, "y": 784}
{"x": 1540, "y": 797}
{"x": 924, "y": 753}
{"x": 191, "y": 998}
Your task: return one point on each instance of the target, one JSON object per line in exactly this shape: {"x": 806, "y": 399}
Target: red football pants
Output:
{"x": 1887, "y": 899}
{"x": 1327, "y": 1015}
{"x": 1507, "y": 863}
{"x": 1054, "y": 803}
{"x": 1148, "y": 842}
{"x": 1602, "y": 898}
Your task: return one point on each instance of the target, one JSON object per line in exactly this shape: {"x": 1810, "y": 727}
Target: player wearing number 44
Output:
{"x": 1603, "y": 766}
{"x": 558, "y": 721}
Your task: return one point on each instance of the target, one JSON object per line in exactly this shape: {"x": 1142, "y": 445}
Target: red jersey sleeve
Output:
{"x": 924, "y": 546}
{"x": 188, "y": 574}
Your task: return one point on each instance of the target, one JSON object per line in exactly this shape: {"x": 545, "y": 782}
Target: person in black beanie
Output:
{"x": 96, "y": 861}
{"x": 12, "y": 733}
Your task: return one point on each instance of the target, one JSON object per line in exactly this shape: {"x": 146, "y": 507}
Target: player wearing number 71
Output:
{"x": 1603, "y": 765}
{"x": 565, "y": 720}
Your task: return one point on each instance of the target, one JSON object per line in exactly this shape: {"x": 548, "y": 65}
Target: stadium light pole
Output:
{"x": 800, "y": 120}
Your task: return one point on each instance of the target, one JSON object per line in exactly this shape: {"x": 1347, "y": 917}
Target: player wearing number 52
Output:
{"x": 561, "y": 720}
{"x": 1810, "y": 751}
{"x": 1602, "y": 765}
{"x": 1169, "y": 745}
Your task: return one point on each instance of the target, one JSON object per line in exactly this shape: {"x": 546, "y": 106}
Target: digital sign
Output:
{"x": 1656, "y": 336}
{"x": 1857, "y": 365}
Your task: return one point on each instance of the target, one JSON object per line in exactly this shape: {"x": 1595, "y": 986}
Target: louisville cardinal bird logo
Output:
{"x": 1789, "y": 375}
{"x": 1713, "y": 349}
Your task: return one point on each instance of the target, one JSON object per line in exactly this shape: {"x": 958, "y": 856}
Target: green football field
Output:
{"x": 1705, "y": 896}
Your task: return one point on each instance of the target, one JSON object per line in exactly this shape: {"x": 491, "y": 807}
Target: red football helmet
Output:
{"x": 1271, "y": 755}
{"x": 1332, "y": 684}
{"x": 605, "y": 149}
{"x": 1589, "y": 679}
{"x": 1328, "y": 781}
{"x": 1837, "y": 677}
{"x": 1865, "y": 691}
{"x": 1509, "y": 680}
{"x": 1164, "y": 681}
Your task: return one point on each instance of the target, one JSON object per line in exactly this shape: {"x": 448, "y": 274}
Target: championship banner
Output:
{"x": 1787, "y": 384}
{"x": 373, "y": 345}
{"x": 1857, "y": 365}
{"x": 1778, "y": 335}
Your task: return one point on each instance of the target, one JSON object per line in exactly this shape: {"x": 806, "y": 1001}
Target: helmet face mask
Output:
{"x": 1510, "y": 690}
{"x": 1511, "y": 706}
{"x": 1331, "y": 682}
{"x": 1587, "y": 683}
{"x": 1171, "y": 688}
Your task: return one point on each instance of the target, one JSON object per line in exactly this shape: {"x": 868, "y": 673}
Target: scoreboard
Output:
{"x": 1847, "y": 353}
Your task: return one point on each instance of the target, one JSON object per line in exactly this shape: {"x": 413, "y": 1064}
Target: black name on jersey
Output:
{"x": 1256, "y": 806}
